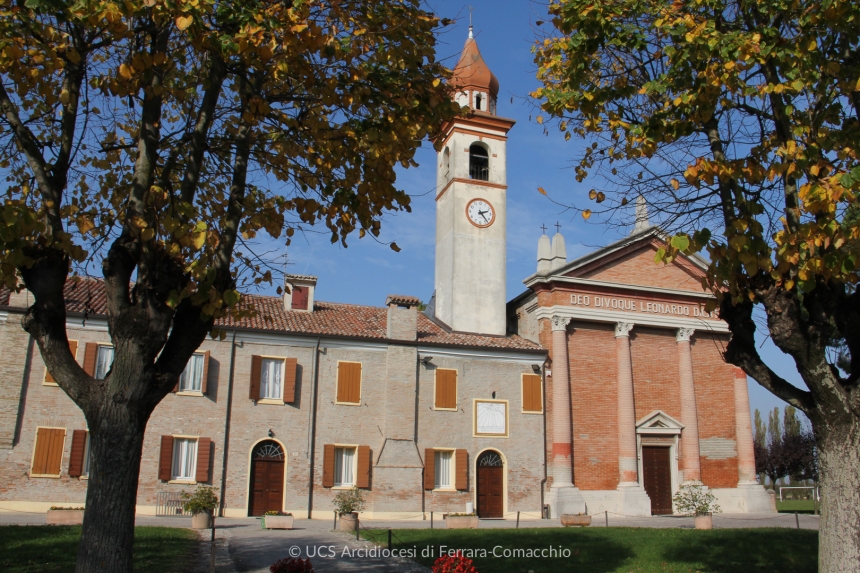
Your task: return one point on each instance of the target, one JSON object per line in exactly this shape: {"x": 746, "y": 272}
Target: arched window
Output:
{"x": 478, "y": 102}
{"x": 446, "y": 162}
{"x": 479, "y": 162}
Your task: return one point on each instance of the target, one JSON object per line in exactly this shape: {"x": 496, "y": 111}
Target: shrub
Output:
{"x": 349, "y": 500}
{"x": 201, "y": 501}
{"x": 691, "y": 499}
{"x": 292, "y": 565}
{"x": 275, "y": 512}
{"x": 58, "y": 508}
{"x": 453, "y": 564}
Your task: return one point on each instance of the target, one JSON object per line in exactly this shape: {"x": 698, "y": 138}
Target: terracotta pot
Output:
{"x": 461, "y": 521}
{"x": 201, "y": 520}
{"x": 64, "y": 517}
{"x": 348, "y": 521}
{"x": 704, "y": 522}
{"x": 277, "y": 522}
{"x": 575, "y": 520}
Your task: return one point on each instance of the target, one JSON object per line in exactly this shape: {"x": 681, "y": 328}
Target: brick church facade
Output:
{"x": 601, "y": 387}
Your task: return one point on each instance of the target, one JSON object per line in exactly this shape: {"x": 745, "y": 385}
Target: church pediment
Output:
{"x": 659, "y": 422}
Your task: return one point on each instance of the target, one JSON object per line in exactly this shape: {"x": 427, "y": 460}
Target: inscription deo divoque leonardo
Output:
{"x": 640, "y": 306}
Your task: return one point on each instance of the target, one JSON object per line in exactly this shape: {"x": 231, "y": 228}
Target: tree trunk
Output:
{"x": 839, "y": 536}
{"x": 116, "y": 444}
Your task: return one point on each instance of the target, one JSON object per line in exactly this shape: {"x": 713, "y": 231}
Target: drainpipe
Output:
{"x": 25, "y": 386}
{"x": 312, "y": 425}
{"x": 543, "y": 481}
{"x": 229, "y": 410}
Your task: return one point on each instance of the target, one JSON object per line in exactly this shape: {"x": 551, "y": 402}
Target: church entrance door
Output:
{"x": 267, "y": 478}
{"x": 490, "y": 485}
{"x": 657, "y": 474}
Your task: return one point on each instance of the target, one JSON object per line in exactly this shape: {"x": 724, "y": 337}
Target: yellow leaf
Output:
{"x": 395, "y": 248}
{"x": 125, "y": 72}
{"x": 147, "y": 234}
{"x": 540, "y": 119}
{"x": 182, "y": 22}
{"x": 198, "y": 240}
{"x": 541, "y": 190}
{"x": 586, "y": 214}
{"x": 436, "y": 82}
{"x": 299, "y": 28}
{"x": 675, "y": 184}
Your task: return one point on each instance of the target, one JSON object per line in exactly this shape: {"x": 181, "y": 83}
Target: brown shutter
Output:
{"x": 300, "y": 298}
{"x": 205, "y": 384}
{"x": 446, "y": 388}
{"x": 349, "y": 382}
{"x": 356, "y": 383}
{"x": 429, "y": 468}
{"x": 91, "y": 353}
{"x": 328, "y": 465}
{"x": 256, "y": 368}
{"x": 342, "y": 375}
{"x": 362, "y": 480}
{"x": 48, "y": 454}
{"x": 290, "y": 365}
{"x": 76, "y": 457}
{"x": 531, "y": 393}
{"x": 165, "y": 459}
{"x": 461, "y": 480}
{"x": 204, "y": 455}
{"x": 73, "y": 348}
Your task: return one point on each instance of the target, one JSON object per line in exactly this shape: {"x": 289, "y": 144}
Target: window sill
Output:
{"x": 271, "y": 401}
{"x": 344, "y": 486}
{"x": 348, "y": 403}
{"x": 84, "y": 478}
{"x": 49, "y": 384}
{"x": 51, "y": 476}
{"x": 183, "y": 481}
{"x": 190, "y": 393}
{"x": 446, "y": 489}
{"x": 446, "y": 409}
{"x": 537, "y": 412}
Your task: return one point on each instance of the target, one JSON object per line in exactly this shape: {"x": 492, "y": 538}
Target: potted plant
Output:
{"x": 348, "y": 502}
{"x": 461, "y": 520}
{"x": 65, "y": 516}
{"x": 693, "y": 499}
{"x": 200, "y": 505}
{"x": 575, "y": 519}
{"x": 277, "y": 520}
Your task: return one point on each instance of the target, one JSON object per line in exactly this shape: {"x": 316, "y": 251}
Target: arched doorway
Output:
{"x": 491, "y": 484}
{"x": 267, "y": 478}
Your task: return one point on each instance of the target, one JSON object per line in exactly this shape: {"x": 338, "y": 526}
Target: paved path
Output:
{"x": 242, "y": 546}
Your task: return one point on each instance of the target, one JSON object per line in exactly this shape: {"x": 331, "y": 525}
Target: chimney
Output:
{"x": 23, "y": 299}
{"x": 559, "y": 253}
{"x": 301, "y": 292}
{"x": 544, "y": 256}
{"x": 402, "y": 317}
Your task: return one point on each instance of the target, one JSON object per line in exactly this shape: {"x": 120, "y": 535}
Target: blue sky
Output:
{"x": 367, "y": 271}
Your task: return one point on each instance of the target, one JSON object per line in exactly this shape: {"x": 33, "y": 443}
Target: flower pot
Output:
{"x": 704, "y": 522}
{"x": 64, "y": 517}
{"x": 575, "y": 520}
{"x": 461, "y": 521}
{"x": 201, "y": 520}
{"x": 348, "y": 521}
{"x": 277, "y": 522}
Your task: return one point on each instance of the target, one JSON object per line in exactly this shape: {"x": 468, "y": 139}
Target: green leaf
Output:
{"x": 680, "y": 242}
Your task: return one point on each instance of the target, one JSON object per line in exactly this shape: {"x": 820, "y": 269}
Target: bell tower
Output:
{"x": 471, "y": 218}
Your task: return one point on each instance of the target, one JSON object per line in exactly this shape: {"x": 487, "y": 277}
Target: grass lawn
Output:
{"x": 625, "y": 550}
{"x": 52, "y": 549}
{"x": 792, "y": 505}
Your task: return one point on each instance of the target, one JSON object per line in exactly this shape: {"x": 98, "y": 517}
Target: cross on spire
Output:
{"x": 543, "y": 228}
{"x": 557, "y": 227}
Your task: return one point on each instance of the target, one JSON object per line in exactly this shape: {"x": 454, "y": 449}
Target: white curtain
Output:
{"x": 270, "y": 379}
{"x": 343, "y": 461}
{"x": 443, "y": 470}
{"x": 105, "y": 359}
{"x": 192, "y": 377}
{"x": 184, "y": 458}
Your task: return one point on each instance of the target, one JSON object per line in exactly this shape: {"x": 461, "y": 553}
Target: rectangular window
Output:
{"x": 191, "y": 379}
{"x": 104, "y": 361}
{"x": 444, "y": 469}
{"x": 271, "y": 378}
{"x": 344, "y": 466}
{"x": 349, "y": 382}
{"x": 73, "y": 348}
{"x": 48, "y": 452}
{"x": 446, "y": 389}
{"x": 184, "y": 459}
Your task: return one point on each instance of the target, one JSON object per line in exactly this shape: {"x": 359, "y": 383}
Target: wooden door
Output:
{"x": 657, "y": 475}
{"x": 267, "y": 493}
{"x": 491, "y": 485}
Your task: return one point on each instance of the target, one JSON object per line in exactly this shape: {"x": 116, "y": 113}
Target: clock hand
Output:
{"x": 482, "y": 214}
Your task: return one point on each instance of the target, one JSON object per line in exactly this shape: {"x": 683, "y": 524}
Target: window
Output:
{"x": 184, "y": 459}
{"x": 299, "y": 298}
{"x": 73, "y": 348}
{"x": 444, "y": 469}
{"x": 271, "y": 378}
{"x": 85, "y": 469}
{"x": 478, "y": 101}
{"x": 191, "y": 379}
{"x": 103, "y": 361}
{"x": 491, "y": 418}
{"x": 532, "y": 395}
{"x": 349, "y": 383}
{"x": 446, "y": 389}
{"x": 479, "y": 162}
{"x": 344, "y": 462}
{"x": 48, "y": 452}
{"x": 446, "y": 162}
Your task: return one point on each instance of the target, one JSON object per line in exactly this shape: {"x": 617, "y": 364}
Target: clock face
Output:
{"x": 480, "y": 213}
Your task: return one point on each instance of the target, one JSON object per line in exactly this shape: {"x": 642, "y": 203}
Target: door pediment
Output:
{"x": 659, "y": 422}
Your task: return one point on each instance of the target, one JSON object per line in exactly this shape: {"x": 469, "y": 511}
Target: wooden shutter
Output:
{"x": 290, "y": 365}
{"x": 48, "y": 453}
{"x": 362, "y": 479}
{"x": 461, "y": 480}
{"x": 300, "y": 298}
{"x": 349, "y": 382}
{"x": 429, "y": 468}
{"x": 204, "y": 386}
{"x": 91, "y": 354}
{"x": 204, "y": 456}
{"x": 532, "y": 399}
{"x": 446, "y": 388}
{"x": 76, "y": 457}
{"x": 165, "y": 459}
{"x": 256, "y": 368}
{"x": 73, "y": 348}
{"x": 328, "y": 465}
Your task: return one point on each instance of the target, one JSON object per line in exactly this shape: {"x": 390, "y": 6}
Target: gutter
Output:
{"x": 228, "y": 411}
{"x": 312, "y": 426}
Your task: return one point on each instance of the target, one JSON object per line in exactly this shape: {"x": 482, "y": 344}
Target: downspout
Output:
{"x": 312, "y": 426}
{"x": 227, "y": 422}
{"x": 543, "y": 481}
{"x": 25, "y": 387}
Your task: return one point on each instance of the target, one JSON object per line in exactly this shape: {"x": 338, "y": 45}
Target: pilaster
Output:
{"x": 691, "y": 464}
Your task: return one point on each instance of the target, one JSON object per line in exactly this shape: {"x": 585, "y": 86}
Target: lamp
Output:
{"x": 426, "y": 360}
{"x": 536, "y": 368}
{"x": 271, "y": 433}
